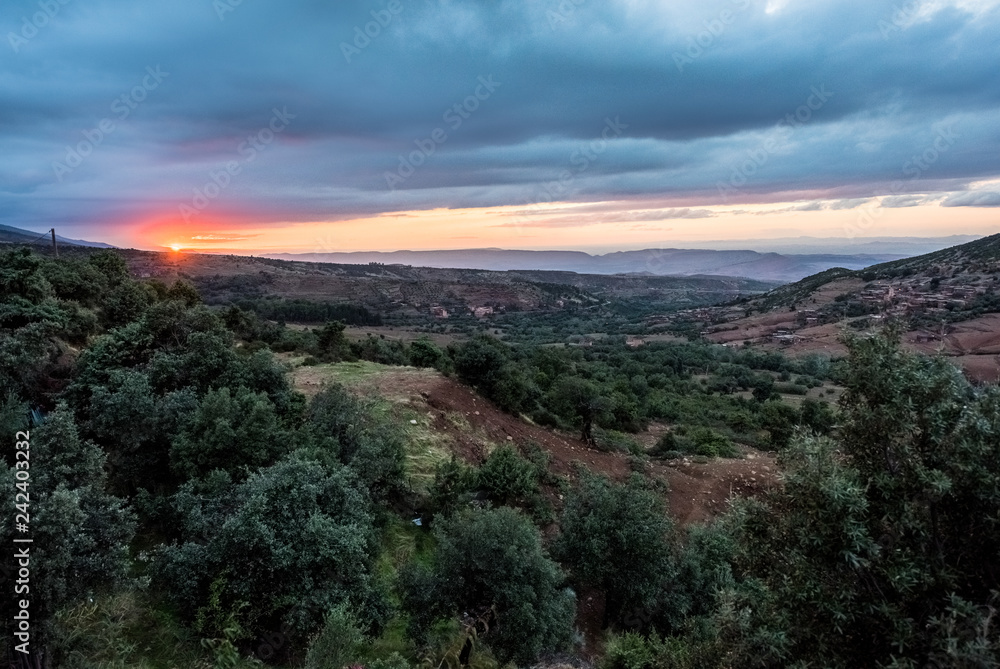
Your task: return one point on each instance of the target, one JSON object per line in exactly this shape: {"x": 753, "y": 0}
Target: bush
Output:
{"x": 237, "y": 432}
{"x": 616, "y": 537}
{"x": 790, "y": 389}
{"x": 612, "y": 440}
{"x": 291, "y": 543}
{"x": 627, "y": 651}
{"x": 699, "y": 440}
{"x": 345, "y": 429}
{"x": 424, "y": 353}
{"x": 712, "y": 444}
{"x": 452, "y": 487}
{"x": 817, "y": 416}
{"x": 339, "y": 642}
{"x": 506, "y": 477}
{"x": 493, "y": 558}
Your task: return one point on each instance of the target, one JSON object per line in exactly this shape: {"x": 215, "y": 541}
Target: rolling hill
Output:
{"x": 776, "y": 267}
{"x": 948, "y": 301}
{"x": 12, "y": 235}
{"x": 404, "y": 290}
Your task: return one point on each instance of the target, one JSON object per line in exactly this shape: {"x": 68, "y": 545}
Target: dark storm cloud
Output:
{"x": 496, "y": 101}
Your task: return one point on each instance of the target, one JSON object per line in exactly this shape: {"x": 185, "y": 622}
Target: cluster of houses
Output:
{"x": 910, "y": 299}
{"x": 437, "y": 311}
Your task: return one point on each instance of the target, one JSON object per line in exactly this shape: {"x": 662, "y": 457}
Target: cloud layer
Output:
{"x": 206, "y": 112}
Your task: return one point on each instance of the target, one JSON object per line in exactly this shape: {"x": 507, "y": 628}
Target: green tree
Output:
{"x": 507, "y": 477}
{"x": 488, "y": 365}
{"x": 75, "y": 280}
{"x": 331, "y": 342}
{"x": 493, "y": 558}
{"x": 183, "y": 291}
{"x": 80, "y": 533}
{"x": 20, "y": 275}
{"x": 134, "y": 425}
{"x": 763, "y": 387}
{"x": 234, "y": 431}
{"x": 125, "y": 303}
{"x": 580, "y": 400}
{"x": 452, "y": 485}
{"x": 345, "y": 429}
{"x": 780, "y": 420}
{"x": 617, "y": 538}
{"x": 112, "y": 265}
{"x": 879, "y": 550}
{"x": 424, "y": 353}
{"x": 817, "y": 416}
{"x": 293, "y": 541}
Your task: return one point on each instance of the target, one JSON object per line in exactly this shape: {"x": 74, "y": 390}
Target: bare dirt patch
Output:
{"x": 973, "y": 345}
{"x": 470, "y": 426}
{"x": 460, "y": 422}
{"x": 701, "y": 491}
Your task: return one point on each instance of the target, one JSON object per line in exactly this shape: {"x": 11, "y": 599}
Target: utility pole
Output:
{"x": 55, "y": 247}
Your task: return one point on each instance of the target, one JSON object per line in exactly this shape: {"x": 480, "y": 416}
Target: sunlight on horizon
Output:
{"x": 571, "y": 226}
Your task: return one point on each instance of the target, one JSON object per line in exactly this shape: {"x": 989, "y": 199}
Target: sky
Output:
{"x": 308, "y": 126}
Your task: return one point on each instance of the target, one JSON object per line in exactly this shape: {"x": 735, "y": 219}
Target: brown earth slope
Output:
{"x": 469, "y": 426}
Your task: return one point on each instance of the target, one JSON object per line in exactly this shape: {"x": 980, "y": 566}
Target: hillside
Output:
{"x": 447, "y": 418}
{"x": 657, "y": 262}
{"x": 255, "y": 474}
{"x": 12, "y": 235}
{"x": 948, "y": 301}
{"x": 412, "y": 291}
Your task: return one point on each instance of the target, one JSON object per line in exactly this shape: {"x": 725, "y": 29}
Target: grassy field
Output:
{"x": 390, "y": 391}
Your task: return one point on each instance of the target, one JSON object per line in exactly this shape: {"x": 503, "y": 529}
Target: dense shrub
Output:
{"x": 340, "y": 427}
{"x": 287, "y": 545}
{"x": 238, "y": 432}
{"x": 616, "y": 537}
{"x": 80, "y": 533}
{"x": 506, "y": 477}
{"x": 487, "y": 559}
{"x": 888, "y": 536}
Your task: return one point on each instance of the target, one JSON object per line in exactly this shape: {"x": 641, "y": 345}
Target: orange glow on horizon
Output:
{"x": 594, "y": 225}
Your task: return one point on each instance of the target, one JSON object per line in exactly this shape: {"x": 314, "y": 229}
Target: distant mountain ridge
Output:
{"x": 12, "y": 235}
{"x": 783, "y": 268}
{"x": 908, "y": 246}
